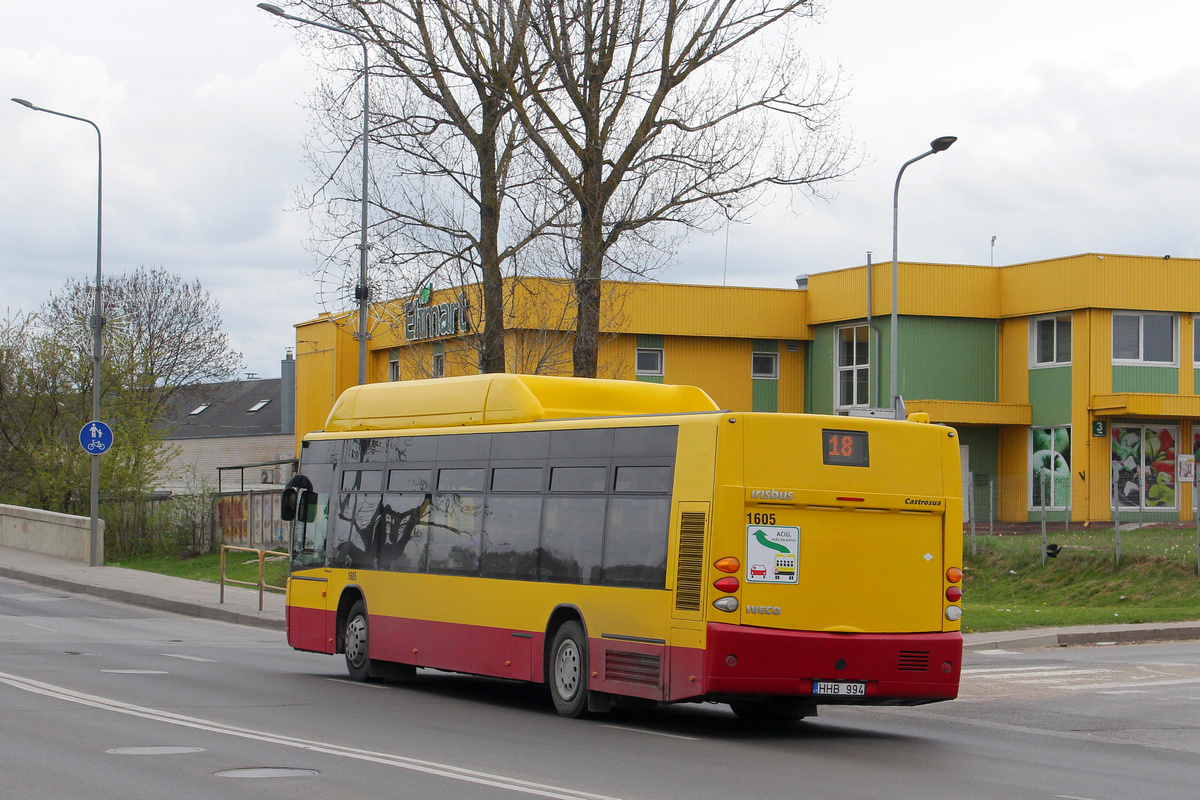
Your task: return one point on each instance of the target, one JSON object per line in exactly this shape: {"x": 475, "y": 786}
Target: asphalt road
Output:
{"x": 99, "y": 700}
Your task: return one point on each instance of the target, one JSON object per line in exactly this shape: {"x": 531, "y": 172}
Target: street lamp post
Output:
{"x": 96, "y": 544}
{"x": 361, "y": 291}
{"x": 936, "y": 146}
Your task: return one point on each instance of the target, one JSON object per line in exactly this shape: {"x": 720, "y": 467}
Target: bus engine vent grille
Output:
{"x": 691, "y": 561}
{"x": 641, "y": 668}
{"x": 914, "y": 661}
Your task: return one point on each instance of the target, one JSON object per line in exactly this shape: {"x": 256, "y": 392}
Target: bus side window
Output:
{"x": 572, "y": 539}
{"x": 455, "y": 527}
{"x": 510, "y": 537}
{"x": 635, "y": 542}
{"x": 354, "y": 530}
{"x": 404, "y": 531}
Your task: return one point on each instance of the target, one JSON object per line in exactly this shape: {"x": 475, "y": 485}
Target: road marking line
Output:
{"x": 41, "y": 628}
{"x": 1071, "y": 797}
{"x": 1125, "y": 691}
{"x": 652, "y": 733}
{"x": 1135, "y": 684}
{"x": 189, "y": 658}
{"x": 1044, "y": 674}
{"x": 325, "y": 748}
{"x": 1030, "y": 668}
{"x": 1024, "y": 729}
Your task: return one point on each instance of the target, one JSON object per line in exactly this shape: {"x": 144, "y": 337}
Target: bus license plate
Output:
{"x": 844, "y": 688}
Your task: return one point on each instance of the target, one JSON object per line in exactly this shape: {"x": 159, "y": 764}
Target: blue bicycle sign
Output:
{"x": 96, "y": 438}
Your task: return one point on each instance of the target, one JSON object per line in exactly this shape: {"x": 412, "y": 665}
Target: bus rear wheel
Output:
{"x": 355, "y": 637}
{"x": 569, "y": 670}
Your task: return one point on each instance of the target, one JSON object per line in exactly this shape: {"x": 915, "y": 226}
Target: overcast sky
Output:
{"x": 1077, "y": 123}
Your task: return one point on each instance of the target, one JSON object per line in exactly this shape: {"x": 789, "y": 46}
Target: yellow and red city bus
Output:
{"x": 629, "y": 542}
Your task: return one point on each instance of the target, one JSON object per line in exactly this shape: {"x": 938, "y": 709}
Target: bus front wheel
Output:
{"x": 354, "y": 635}
{"x": 569, "y": 670}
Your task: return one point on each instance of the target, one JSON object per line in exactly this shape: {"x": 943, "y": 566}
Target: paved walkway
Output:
{"x": 149, "y": 589}
{"x": 201, "y": 599}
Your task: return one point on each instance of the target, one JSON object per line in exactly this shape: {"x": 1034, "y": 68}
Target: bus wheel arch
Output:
{"x": 353, "y": 634}
{"x": 565, "y": 661}
{"x": 350, "y": 596}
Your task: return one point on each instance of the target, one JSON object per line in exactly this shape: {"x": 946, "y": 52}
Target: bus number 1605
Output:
{"x": 760, "y": 519}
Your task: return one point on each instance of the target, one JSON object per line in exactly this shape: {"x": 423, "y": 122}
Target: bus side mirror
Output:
{"x": 287, "y": 504}
{"x": 292, "y": 500}
{"x": 307, "y": 511}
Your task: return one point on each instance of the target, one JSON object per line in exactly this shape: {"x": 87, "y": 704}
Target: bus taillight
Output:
{"x": 953, "y": 594}
{"x": 728, "y": 584}
{"x": 728, "y": 564}
{"x": 954, "y": 574}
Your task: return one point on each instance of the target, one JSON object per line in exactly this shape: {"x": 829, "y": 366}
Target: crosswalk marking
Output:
{"x": 999, "y": 670}
{"x": 1047, "y": 674}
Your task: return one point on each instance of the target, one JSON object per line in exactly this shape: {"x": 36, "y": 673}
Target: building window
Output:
{"x": 1196, "y": 340}
{"x": 1143, "y": 466}
{"x": 1143, "y": 338}
{"x": 649, "y": 361}
{"x": 853, "y": 366}
{"x": 394, "y": 370}
{"x": 258, "y": 406}
{"x": 764, "y": 366}
{"x": 439, "y": 365}
{"x": 1050, "y": 468}
{"x": 1051, "y": 340}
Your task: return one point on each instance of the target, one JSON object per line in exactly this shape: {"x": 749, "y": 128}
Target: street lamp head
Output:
{"x": 276, "y": 10}
{"x": 25, "y": 103}
{"x": 942, "y": 143}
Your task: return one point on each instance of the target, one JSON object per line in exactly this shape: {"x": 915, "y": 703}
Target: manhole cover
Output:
{"x": 136, "y": 671}
{"x": 154, "y": 750}
{"x": 267, "y": 772}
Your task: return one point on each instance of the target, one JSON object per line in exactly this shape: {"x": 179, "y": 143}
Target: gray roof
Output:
{"x": 227, "y": 410}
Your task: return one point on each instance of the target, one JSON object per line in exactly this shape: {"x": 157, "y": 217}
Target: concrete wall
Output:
{"x": 47, "y": 532}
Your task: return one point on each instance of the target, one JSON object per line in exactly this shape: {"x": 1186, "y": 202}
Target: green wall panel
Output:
{"x": 818, "y": 371}
{"x": 1050, "y": 395}
{"x": 1157, "y": 380}
{"x": 944, "y": 358}
{"x": 765, "y": 395}
{"x": 984, "y": 443}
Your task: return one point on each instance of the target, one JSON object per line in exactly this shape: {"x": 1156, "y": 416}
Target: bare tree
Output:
{"x": 459, "y": 197}
{"x": 161, "y": 333}
{"x": 674, "y": 112}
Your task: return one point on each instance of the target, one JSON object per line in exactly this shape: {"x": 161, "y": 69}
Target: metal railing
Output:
{"x": 261, "y": 584}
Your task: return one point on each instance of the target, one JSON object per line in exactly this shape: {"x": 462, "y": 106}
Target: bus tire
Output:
{"x": 355, "y": 637}
{"x": 568, "y": 676}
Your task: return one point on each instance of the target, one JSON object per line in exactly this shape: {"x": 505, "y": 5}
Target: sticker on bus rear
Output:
{"x": 772, "y": 553}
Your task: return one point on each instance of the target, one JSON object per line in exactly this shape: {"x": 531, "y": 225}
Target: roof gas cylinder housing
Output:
{"x": 503, "y": 398}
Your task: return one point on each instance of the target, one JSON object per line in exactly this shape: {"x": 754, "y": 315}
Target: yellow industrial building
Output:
{"x": 1073, "y": 382}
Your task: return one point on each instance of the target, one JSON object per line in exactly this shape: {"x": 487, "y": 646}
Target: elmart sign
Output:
{"x": 428, "y": 322}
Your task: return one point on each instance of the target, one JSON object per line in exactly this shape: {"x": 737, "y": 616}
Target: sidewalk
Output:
{"x": 148, "y": 589}
{"x": 200, "y": 599}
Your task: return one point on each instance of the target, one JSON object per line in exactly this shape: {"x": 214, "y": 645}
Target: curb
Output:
{"x": 148, "y": 601}
{"x": 1073, "y": 638}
